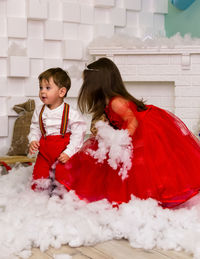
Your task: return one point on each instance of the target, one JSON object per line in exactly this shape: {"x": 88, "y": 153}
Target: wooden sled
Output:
{"x": 6, "y": 161}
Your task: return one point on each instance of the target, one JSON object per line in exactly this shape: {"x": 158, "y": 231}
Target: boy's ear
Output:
{"x": 63, "y": 91}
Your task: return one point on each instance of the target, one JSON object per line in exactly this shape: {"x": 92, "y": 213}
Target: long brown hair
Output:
{"x": 102, "y": 80}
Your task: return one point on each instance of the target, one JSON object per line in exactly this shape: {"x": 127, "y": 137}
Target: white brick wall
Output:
{"x": 71, "y": 12}
{"x": 16, "y": 27}
{"x": 39, "y": 34}
{"x": 36, "y": 10}
{"x": 118, "y": 17}
{"x": 16, "y": 8}
{"x": 103, "y": 30}
{"x": 53, "y": 30}
{"x": 157, "y": 6}
{"x": 4, "y": 47}
{"x": 3, "y": 106}
{"x": 55, "y": 10}
{"x": 3, "y": 26}
{"x": 104, "y": 3}
{"x": 35, "y": 48}
{"x": 133, "y": 5}
{"x": 4, "y": 123}
{"x": 87, "y": 14}
{"x": 73, "y": 49}
{"x": 18, "y": 66}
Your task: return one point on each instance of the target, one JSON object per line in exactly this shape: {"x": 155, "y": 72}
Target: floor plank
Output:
{"x": 117, "y": 250}
{"x": 62, "y": 250}
{"x": 80, "y": 256}
{"x": 113, "y": 249}
{"x": 37, "y": 254}
{"x": 175, "y": 254}
{"x": 92, "y": 252}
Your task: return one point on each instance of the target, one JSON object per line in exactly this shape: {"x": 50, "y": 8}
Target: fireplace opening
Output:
{"x": 161, "y": 94}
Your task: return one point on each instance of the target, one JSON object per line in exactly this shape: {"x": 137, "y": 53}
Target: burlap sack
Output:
{"x": 19, "y": 145}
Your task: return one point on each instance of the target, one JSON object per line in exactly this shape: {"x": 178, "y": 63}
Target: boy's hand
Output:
{"x": 33, "y": 147}
{"x": 63, "y": 158}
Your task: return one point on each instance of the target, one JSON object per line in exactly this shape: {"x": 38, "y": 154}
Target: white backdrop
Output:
{"x": 38, "y": 34}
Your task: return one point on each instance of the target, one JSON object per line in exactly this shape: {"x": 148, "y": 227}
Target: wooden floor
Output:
{"x": 114, "y": 249}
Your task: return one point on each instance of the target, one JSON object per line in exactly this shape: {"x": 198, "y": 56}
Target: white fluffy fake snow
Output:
{"x": 125, "y": 41}
{"x": 115, "y": 146}
{"x": 29, "y": 219}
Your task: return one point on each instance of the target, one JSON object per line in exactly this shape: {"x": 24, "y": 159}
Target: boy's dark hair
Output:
{"x": 60, "y": 77}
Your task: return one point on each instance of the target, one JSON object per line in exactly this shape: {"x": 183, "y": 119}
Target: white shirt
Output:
{"x": 52, "y": 122}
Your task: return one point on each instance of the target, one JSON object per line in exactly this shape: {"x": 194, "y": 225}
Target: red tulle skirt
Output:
{"x": 165, "y": 165}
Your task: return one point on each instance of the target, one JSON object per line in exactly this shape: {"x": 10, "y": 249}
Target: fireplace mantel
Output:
{"x": 193, "y": 49}
{"x": 184, "y": 51}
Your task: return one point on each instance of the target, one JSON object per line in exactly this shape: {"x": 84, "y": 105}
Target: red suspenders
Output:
{"x": 64, "y": 121}
{"x": 42, "y": 129}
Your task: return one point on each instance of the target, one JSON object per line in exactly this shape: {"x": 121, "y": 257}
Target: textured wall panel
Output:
{"x": 3, "y": 89}
{"x": 104, "y": 3}
{"x": 133, "y": 5}
{"x": 118, "y": 17}
{"x": 48, "y": 63}
{"x": 53, "y": 30}
{"x": 18, "y": 66}
{"x": 52, "y": 49}
{"x": 3, "y": 26}
{"x": 16, "y": 8}
{"x": 3, "y": 47}
{"x": 71, "y": 12}
{"x": 71, "y": 30}
{"x": 4, "y": 129}
{"x": 87, "y": 14}
{"x": 31, "y": 86}
{"x": 35, "y": 29}
{"x": 106, "y": 30}
{"x": 38, "y": 34}
{"x": 73, "y": 49}
{"x": 55, "y": 10}
{"x": 17, "y": 27}
{"x": 36, "y": 10}
{"x": 35, "y": 48}
{"x": 36, "y": 66}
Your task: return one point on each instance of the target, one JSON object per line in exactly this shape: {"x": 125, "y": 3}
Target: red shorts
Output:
{"x": 50, "y": 149}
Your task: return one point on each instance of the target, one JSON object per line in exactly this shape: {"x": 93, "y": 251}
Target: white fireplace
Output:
{"x": 166, "y": 77}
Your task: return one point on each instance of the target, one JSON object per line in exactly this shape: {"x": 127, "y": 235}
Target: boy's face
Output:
{"x": 50, "y": 94}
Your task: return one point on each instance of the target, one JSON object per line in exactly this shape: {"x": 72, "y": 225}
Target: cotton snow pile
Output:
{"x": 37, "y": 219}
{"x": 124, "y": 41}
{"x": 29, "y": 219}
{"x": 115, "y": 146}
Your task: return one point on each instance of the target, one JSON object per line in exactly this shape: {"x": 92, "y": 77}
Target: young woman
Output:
{"x": 165, "y": 155}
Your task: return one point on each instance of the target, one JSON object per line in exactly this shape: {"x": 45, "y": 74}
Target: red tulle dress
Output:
{"x": 165, "y": 161}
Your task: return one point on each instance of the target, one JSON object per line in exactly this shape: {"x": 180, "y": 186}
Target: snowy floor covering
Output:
{"x": 29, "y": 219}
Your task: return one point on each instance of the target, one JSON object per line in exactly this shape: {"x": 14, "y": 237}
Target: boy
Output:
{"x": 57, "y": 130}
